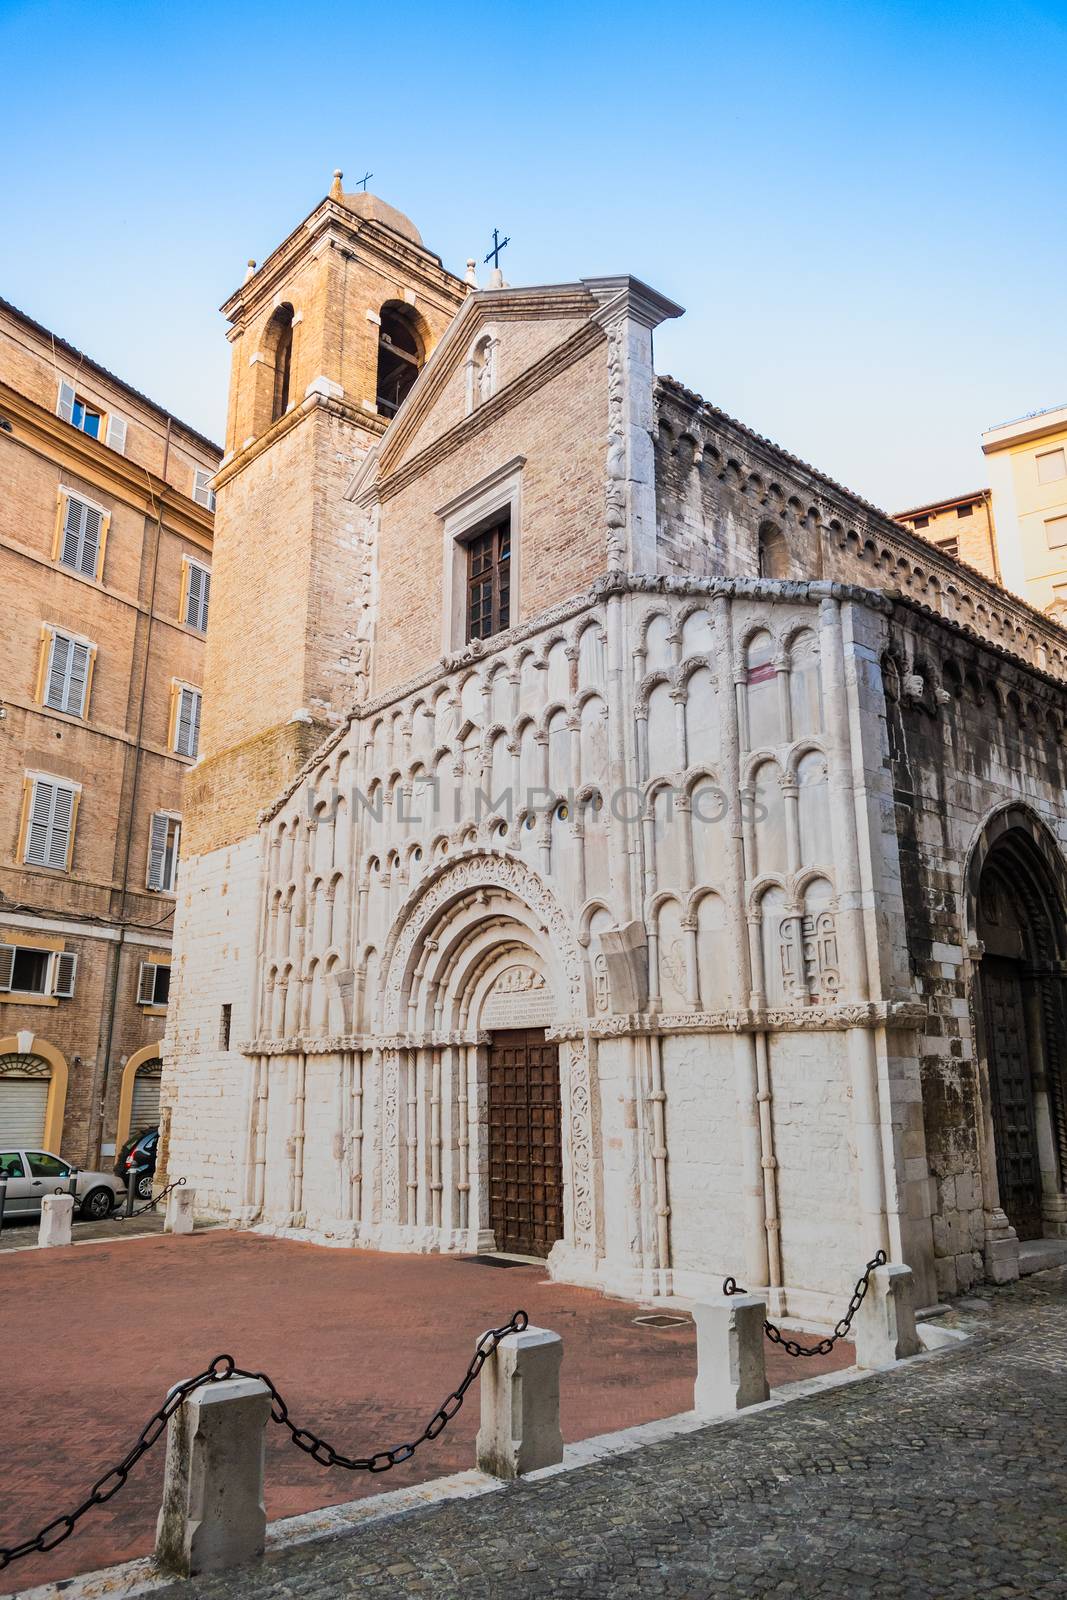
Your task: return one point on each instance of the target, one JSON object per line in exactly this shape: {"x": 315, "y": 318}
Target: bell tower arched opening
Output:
{"x": 401, "y": 353}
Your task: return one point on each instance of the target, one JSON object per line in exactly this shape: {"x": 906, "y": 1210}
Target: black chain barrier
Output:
{"x": 61, "y": 1528}
{"x": 824, "y": 1346}
{"x": 139, "y": 1211}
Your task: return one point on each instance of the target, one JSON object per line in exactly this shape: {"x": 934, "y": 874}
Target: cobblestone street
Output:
{"x": 946, "y": 1478}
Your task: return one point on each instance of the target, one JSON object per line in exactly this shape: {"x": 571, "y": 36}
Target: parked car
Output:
{"x": 138, "y": 1155}
{"x": 32, "y": 1174}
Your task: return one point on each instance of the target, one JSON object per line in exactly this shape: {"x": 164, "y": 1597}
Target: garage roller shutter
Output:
{"x": 23, "y": 1102}
{"x": 145, "y": 1113}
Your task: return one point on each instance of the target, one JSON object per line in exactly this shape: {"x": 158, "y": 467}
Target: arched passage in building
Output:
{"x": 33, "y": 1093}
{"x": 1018, "y": 897}
{"x": 139, "y": 1093}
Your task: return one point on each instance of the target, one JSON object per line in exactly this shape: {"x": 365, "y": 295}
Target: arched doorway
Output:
{"x": 1019, "y": 908}
{"x": 33, "y": 1093}
{"x": 139, "y": 1093}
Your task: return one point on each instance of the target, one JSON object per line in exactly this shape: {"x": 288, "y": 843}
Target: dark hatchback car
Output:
{"x": 138, "y": 1155}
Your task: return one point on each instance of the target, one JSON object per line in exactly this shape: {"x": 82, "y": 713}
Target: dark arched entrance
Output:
{"x": 1019, "y": 909}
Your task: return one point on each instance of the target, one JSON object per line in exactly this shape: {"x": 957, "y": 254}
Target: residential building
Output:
{"x": 1028, "y": 476}
{"x": 962, "y": 527}
{"x": 106, "y": 513}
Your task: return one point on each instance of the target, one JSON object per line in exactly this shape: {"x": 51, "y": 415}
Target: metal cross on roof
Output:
{"x": 363, "y": 182}
{"x": 498, "y": 245}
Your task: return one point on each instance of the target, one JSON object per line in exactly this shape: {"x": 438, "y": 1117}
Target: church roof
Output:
{"x": 373, "y": 209}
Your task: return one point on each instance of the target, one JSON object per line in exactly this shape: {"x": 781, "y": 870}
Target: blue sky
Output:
{"x": 861, "y": 206}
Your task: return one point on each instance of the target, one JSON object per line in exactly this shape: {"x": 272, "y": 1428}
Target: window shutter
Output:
{"x": 157, "y": 850}
{"x": 58, "y": 669}
{"x": 40, "y": 819}
{"x": 203, "y": 494}
{"x": 80, "y": 546}
{"x": 59, "y": 835}
{"x": 116, "y": 433}
{"x": 90, "y": 549}
{"x": 65, "y": 404}
{"x": 72, "y": 532}
{"x": 194, "y": 595}
{"x": 188, "y": 730}
{"x": 205, "y": 595}
{"x": 7, "y": 965}
{"x": 66, "y": 966}
{"x": 78, "y": 677}
{"x": 146, "y": 987}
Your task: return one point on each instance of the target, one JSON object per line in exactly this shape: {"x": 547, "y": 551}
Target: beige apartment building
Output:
{"x": 1016, "y": 530}
{"x": 106, "y": 517}
{"x": 1028, "y": 474}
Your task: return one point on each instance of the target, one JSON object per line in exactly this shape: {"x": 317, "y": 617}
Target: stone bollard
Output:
{"x": 519, "y": 1429}
{"x": 883, "y": 1328}
{"x": 731, "y": 1370}
{"x": 180, "y": 1211}
{"x": 57, "y": 1212}
{"x": 212, "y": 1514}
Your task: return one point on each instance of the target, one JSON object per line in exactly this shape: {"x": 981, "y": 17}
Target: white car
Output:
{"x": 32, "y": 1174}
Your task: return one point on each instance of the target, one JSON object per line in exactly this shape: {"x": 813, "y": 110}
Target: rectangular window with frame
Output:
{"x": 153, "y": 986}
{"x": 163, "y": 845}
{"x": 203, "y": 493}
{"x": 1051, "y": 466}
{"x": 489, "y": 580}
{"x": 196, "y": 592}
{"x": 67, "y": 670}
{"x": 964, "y": 511}
{"x": 1056, "y": 532}
{"x": 185, "y": 720}
{"x": 51, "y": 812}
{"x": 90, "y": 418}
{"x": 81, "y": 535}
{"x": 951, "y": 547}
{"x": 26, "y": 970}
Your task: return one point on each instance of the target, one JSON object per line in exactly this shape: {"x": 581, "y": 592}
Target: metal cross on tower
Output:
{"x": 498, "y": 245}
{"x": 363, "y": 182}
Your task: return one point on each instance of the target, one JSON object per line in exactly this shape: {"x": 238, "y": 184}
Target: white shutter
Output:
{"x": 77, "y": 678}
{"x": 157, "y": 851}
{"x": 7, "y": 965}
{"x": 205, "y": 596}
{"x": 81, "y": 537}
{"x": 23, "y": 1107}
{"x": 58, "y": 672}
{"x": 68, "y": 674}
{"x": 65, "y": 404}
{"x": 188, "y": 732}
{"x": 66, "y": 965}
{"x": 146, "y": 986}
{"x": 40, "y": 822}
{"x": 72, "y": 532}
{"x": 116, "y": 433}
{"x": 90, "y": 541}
{"x": 203, "y": 493}
{"x": 194, "y": 595}
{"x": 59, "y": 835}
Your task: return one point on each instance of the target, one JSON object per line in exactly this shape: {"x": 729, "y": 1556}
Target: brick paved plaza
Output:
{"x": 364, "y": 1347}
{"x": 942, "y": 1480}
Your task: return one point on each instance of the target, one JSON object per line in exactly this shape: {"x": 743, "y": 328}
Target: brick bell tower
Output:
{"x": 328, "y": 336}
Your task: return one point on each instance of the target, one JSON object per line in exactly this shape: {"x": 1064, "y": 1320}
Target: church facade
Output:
{"x": 612, "y": 841}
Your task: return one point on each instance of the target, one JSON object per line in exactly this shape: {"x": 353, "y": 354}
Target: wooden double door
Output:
{"x": 525, "y": 1154}
{"x": 1012, "y": 1095}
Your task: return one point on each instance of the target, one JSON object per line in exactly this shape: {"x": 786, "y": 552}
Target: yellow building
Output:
{"x": 106, "y": 521}
{"x": 1028, "y": 474}
{"x": 961, "y": 527}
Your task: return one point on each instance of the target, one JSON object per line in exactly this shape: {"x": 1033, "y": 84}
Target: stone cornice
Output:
{"x": 114, "y": 474}
{"x": 848, "y": 507}
{"x": 624, "y": 296}
{"x": 893, "y": 1014}
{"x": 373, "y": 425}
{"x": 380, "y": 242}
